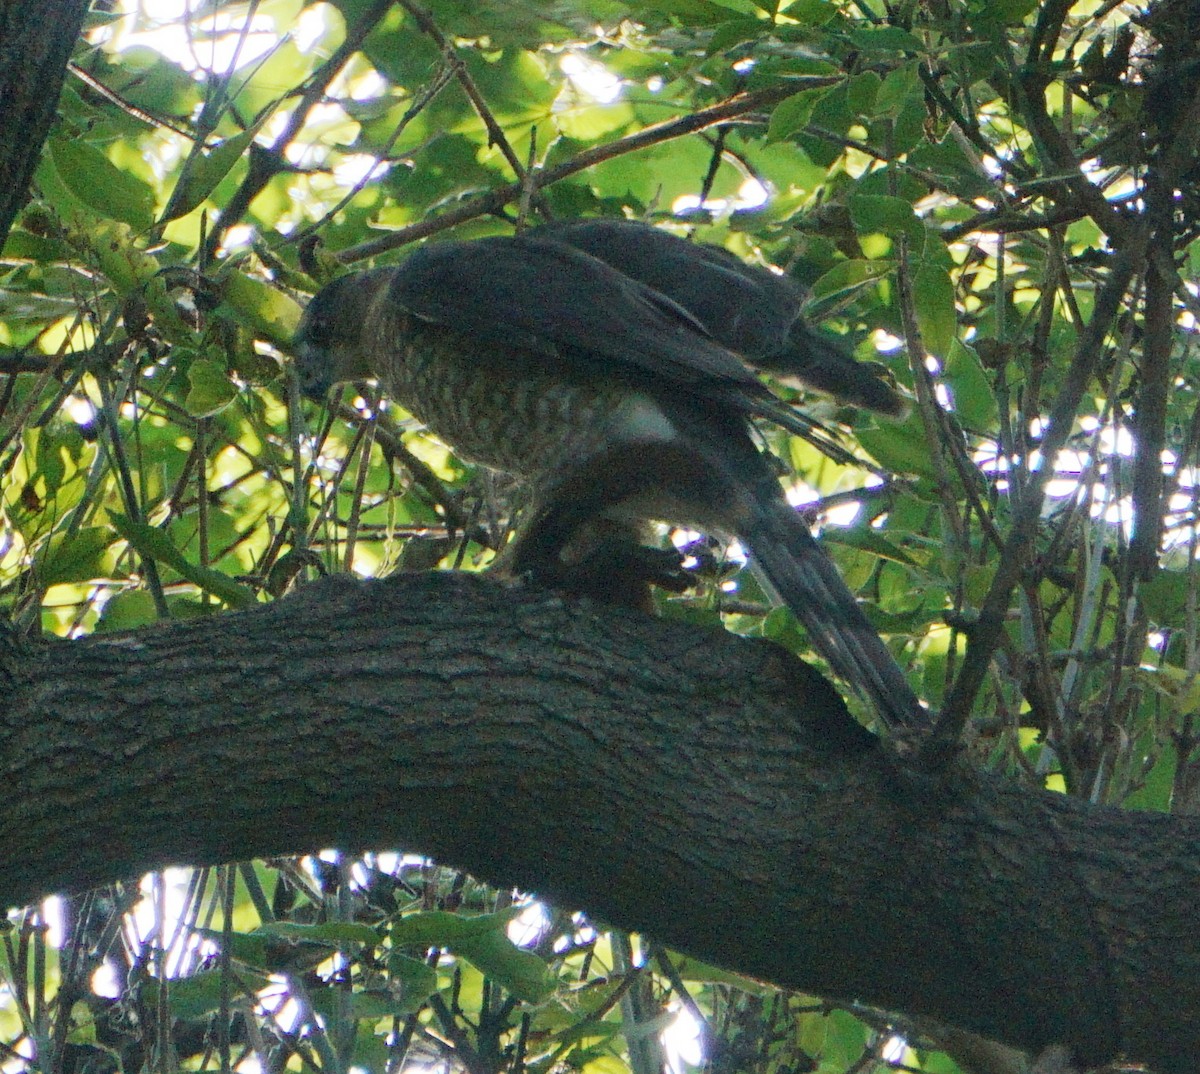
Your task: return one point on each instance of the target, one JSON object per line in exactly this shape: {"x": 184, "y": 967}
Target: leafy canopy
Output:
{"x": 996, "y": 200}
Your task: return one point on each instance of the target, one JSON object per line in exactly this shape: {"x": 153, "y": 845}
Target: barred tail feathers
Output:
{"x": 806, "y": 580}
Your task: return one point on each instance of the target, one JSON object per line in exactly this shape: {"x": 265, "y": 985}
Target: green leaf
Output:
{"x": 76, "y": 557}
{"x": 793, "y": 113}
{"x": 265, "y": 310}
{"x": 250, "y": 949}
{"x": 371, "y": 1051}
{"x": 692, "y": 969}
{"x": 699, "y": 12}
{"x": 933, "y": 302}
{"x": 376, "y": 1003}
{"x": 900, "y": 86}
{"x": 151, "y": 81}
{"x": 127, "y": 611}
{"x": 439, "y": 928}
{"x": 861, "y": 92}
{"x": 947, "y": 161}
{"x": 889, "y": 39}
{"x": 845, "y": 1039}
{"x": 415, "y": 980}
{"x": 1157, "y": 785}
{"x": 521, "y": 972}
{"x": 848, "y": 277}
{"x": 745, "y": 7}
{"x": 100, "y": 185}
{"x": 153, "y": 543}
{"x": 968, "y": 380}
{"x": 202, "y": 174}
{"x": 1193, "y": 258}
{"x": 371, "y": 1005}
{"x": 24, "y": 246}
{"x": 125, "y": 265}
{"x": 907, "y": 127}
{"x": 330, "y": 933}
{"x": 1163, "y": 596}
{"x": 900, "y": 448}
{"x": 200, "y": 995}
{"x": 808, "y": 13}
{"x": 882, "y": 214}
{"x": 997, "y": 15}
{"x": 203, "y": 171}
{"x": 734, "y": 32}
{"x": 483, "y": 942}
{"x": 1182, "y": 687}
{"x": 868, "y": 540}
{"x": 210, "y": 389}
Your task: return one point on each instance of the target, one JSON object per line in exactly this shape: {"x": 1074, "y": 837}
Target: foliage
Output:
{"x": 1004, "y": 187}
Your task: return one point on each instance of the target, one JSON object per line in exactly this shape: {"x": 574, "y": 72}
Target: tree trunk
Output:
{"x": 705, "y": 789}
{"x": 35, "y": 43}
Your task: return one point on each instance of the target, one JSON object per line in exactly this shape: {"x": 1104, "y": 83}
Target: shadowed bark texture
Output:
{"x": 35, "y": 43}
{"x": 708, "y": 790}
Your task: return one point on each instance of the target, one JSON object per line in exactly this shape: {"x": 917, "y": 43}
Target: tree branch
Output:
{"x": 493, "y": 201}
{"x": 705, "y": 789}
{"x": 1027, "y": 515}
{"x": 35, "y": 44}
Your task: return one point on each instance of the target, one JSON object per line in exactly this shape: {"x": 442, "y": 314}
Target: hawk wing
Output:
{"x": 744, "y": 307}
{"x": 570, "y": 306}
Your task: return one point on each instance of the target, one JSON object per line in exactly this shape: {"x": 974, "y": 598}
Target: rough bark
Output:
{"x": 35, "y": 43}
{"x": 701, "y": 788}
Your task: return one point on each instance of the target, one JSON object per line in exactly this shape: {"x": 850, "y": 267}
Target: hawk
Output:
{"x": 607, "y": 388}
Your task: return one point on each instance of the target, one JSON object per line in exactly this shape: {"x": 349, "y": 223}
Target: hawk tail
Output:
{"x": 806, "y": 580}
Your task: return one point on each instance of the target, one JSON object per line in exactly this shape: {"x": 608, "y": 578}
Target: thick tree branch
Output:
{"x": 702, "y": 788}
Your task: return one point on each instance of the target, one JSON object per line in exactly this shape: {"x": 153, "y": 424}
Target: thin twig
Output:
{"x": 127, "y": 106}
{"x": 129, "y": 494}
{"x": 422, "y": 101}
{"x": 1061, "y": 161}
{"x": 267, "y": 162}
{"x": 360, "y": 482}
{"x": 495, "y": 200}
{"x": 496, "y": 136}
{"x": 935, "y": 431}
{"x": 1027, "y": 514}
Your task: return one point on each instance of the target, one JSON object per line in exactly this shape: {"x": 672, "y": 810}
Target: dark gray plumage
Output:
{"x": 744, "y": 307}
{"x": 531, "y": 356}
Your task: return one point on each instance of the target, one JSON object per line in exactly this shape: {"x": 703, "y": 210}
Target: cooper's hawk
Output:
{"x": 531, "y": 356}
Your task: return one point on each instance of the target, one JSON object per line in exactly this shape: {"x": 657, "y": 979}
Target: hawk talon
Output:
{"x": 615, "y": 571}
